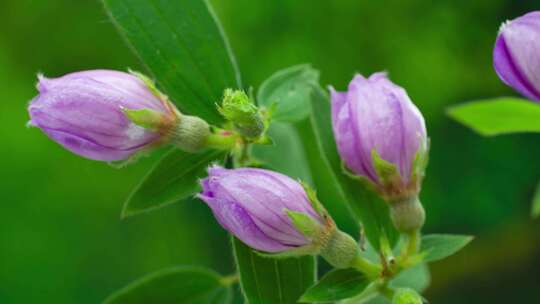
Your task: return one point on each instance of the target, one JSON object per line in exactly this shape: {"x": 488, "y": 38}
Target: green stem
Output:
{"x": 242, "y": 157}
{"x": 372, "y": 270}
{"x": 223, "y": 140}
{"x": 409, "y": 254}
{"x": 413, "y": 243}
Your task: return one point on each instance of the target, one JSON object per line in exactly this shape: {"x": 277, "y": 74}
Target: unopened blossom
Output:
{"x": 105, "y": 115}
{"x": 376, "y": 124}
{"x": 252, "y": 204}
{"x": 273, "y": 213}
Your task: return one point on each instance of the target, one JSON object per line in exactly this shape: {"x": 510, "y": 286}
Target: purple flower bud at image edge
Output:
{"x": 516, "y": 56}
{"x": 251, "y": 204}
{"x": 83, "y": 112}
{"x": 375, "y": 114}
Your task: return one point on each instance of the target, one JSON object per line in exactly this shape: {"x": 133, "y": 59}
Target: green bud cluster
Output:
{"x": 239, "y": 109}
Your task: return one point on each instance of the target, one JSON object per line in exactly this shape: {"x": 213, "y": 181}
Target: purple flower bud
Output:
{"x": 516, "y": 56}
{"x": 376, "y": 127}
{"x": 85, "y": 113}
{"x": 253, "y": 205}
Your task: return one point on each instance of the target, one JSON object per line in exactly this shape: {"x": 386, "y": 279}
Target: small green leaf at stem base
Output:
{"x": 439, "y": 246}
{"x": 189, "y": 285}
{"x": 417, "y": 278}
{"x": 336, "y": 285}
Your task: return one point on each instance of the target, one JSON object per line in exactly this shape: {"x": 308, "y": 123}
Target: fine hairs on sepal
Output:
{"x": 407, "y": 214}
{"x": 339, "y": 249}
{"x": 190, "y": 133}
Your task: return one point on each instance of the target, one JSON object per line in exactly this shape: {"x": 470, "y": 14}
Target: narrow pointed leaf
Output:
{"x": 498, "y": 116}
{"x": 272, "y": 281}
{"x": 183, "y": 46}
{"x": 187, "y": 285}
{"x": 174, "y": 178}
{"x": 337, "y": 284}
{"x": 439, "y": 246}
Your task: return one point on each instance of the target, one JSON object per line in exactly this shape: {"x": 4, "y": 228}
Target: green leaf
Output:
{"x": 189, "y": 285}
{"x": 365, "y": 205}
{"x": 183, "y": 46}
{"x": 440, "y": 246}
{"x": 175, "y": 177}
{"x": 536, "y": 202}
{"x": 498, "y": 116}
{"x": 272, "y": 281}
{"x": 329, "y": 191}
{"x": 337, "y": 284}
{"x": 286, "y": 141}
{"x": 290, "y": 91}
{"x": 417, "y": 278}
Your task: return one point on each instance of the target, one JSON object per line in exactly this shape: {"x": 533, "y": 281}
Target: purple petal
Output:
{"x": 85, "y": 147}
{"x": 88, "y": 106}
{"x": 507, "y": 69}
{"x": 237, "y": 221}
{"x": 258, "y": 198}
{"x": 346, "y": 139}
{"x": 376, "y": 114}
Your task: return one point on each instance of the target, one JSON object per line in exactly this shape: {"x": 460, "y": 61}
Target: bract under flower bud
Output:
{"x": 515, "y": 56}
{"x": 238, "y": 108}
{"x": 380, "y": 135}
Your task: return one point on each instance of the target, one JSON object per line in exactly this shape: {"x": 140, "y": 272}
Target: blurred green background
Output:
{"x": 61, "y": 237}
